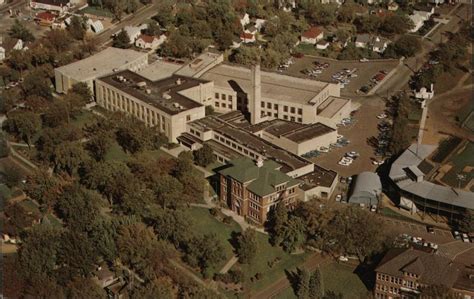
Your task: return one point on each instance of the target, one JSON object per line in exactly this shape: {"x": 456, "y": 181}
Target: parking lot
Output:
{"x": 363, "y": 127}
{"x": 365, "y": 71}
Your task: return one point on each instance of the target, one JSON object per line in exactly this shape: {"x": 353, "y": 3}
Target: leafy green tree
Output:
{"x": 332, "y": 295}
{"x": 136, "y": 202}
{"x": 76, "y": 255}
{"x": 79, "y": 207}
{"x": 302, "y": 284}
{"x": 77, "y": 28}
{"x": 155, "y": 289}
{"x": 44, "y": 188}
{"x": 19, "y": 60}
{"x": 322, "y": 14}
{"x": 24, "y": 124}
{"x": 135, "y": 242}
{"x": 204, "y": 252}
{"x": 277, "y": 220}
{"x": 438, "y": 291}
{"x": 8, "y": 98}
{"x": 165, "y": 16}
{"x": 18, "y": 30}
{"x": 99, "y": 145}
{"x": 68, "y": 156}
{"x": 4, "y": 148}
{"x": 153, "y": 29}
{"x": 169, "y": 191}
{"x": 51, "y": 138}
{"x": 81, "y": 89}
{"x": 247, "y": 55}
{"x": 43, "y": 286}
{"x": 103, "y": 234}
{"x": 247, "y": 246}
{"x": 80, "y": 287}
{"x": 396, "y": 24}
{"x": 171, "y": 225}
{"x": 406, "y": 45}
{"x": 350, "y": 52}
{"x": 293, "y": 234}
{"x": 367, "y": 24}
{"x": 39, "y": 251}
{"x": 177, "y": 45}
{"x": 12, "y": 174}
{"x": 122, "y": 40}
{"x": 346, "y": 12}
{"x": 204, "y": 156}
{"x": 59, "y": 40}
{"x": 37, "y": 84}
{"x": 315, "y": 285}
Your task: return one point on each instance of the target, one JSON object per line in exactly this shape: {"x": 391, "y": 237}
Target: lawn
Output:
{"x": 391, "y": 213}
{"x": 5, "y": 193}
{"x": 340, "y": 278}
{"x": 97, "y": 11}
{"x": 307, "y": 49}
{"x": 84, "y": 118}
{"x": 116, "y": 153}
{"x": 459, "y": 162}
{"x": 204, "y": 223}
{"x": 266, "y": 254}
{"x": 447, "y": 80}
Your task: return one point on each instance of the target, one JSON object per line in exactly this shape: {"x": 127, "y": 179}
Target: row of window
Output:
{"x": 384, "y": 288}
{"x": 194, "y": 132}
{"x": 269, "y": 105}
{"x": 285, "y": 117}
{"x": 254, "y": 215}
{"x": 254, "y": 206}
{"x": 223, "y": 96}
{"x": 235, "y": 146}
{"x": 392, "y": 279}
{"x": 223, "y": 105}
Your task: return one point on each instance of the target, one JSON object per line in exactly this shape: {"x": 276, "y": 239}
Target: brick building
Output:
{"x": 404, "y": 272}
{"x": 251, "y": 188}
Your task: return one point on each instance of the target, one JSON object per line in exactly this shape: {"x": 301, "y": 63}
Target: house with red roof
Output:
{"x": 45, "y": 18}
{"x": 146, "y": 41}
{"x": 312, "y": 35}
{"x": 247, "y": 38}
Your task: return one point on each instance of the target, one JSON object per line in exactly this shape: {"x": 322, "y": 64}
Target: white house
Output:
{"x": 259, "y": 23}
{"x": 134, "y": 31}
{"x": 244, "y": 20}
{"x": 362, "y": 40}
{"x": 392, "y": 6}
{"x": 60, "y": 6}
{"x": 145, "y": 41}
{"x": 424, "y": 93}
{"x": 417, "y": 20}
{"x": 8, "y": 44}
{"x": 322, "y": 45}
{"x": 312, "y": 35}
{"x": 379, "y": 44}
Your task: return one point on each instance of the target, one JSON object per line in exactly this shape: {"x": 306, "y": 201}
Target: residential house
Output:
{"x": 418, "y": 21}
{"x": 247, "y": 38}
{"x": 259, "y": 23}
{"x": 244, "y": 20}
{"x": 252, "y": 188}
{"x": 392, "y": 6}
{"x": 363, "y": 40}
{"x": 379, "y": 44}
{"x": 8, "y": 44}
{"x": 60, "y": 6}
{"x": 45, "y": 18}
{"x": 425, "y": 93}
{"x": 134, "y": 32}
{"x": 322, "y": 45}
{"x": 145, "y": 41}
{"x": 103, "y": 277}
{"x": 403, "y": 272}
{"x": 312, "y": 35}
{"x": 250, "y": 28}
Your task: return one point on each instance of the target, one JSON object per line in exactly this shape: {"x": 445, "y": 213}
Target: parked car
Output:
{"x": 373, "y": 208}
{"x": 343, "y": 258}
{"x": 465, "y": 238}
{"x": 364, "y": 60}
{"x": 456, "y": 235}
{"x": 430, "y": 229}
{"x": 338, "y": 197}
{"x": 382, "y": 116}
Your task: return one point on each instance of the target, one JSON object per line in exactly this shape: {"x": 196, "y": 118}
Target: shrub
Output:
{"x": 214, "y": 211}
{"x": 227, "y": 220}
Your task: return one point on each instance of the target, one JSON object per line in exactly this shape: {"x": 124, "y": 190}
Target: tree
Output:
{"x": 98, "y": 145}
{"x": 204, "y": 252}
{"x": 76, "y": 255}
{"x": 204, "y": 156}
{"x": 43, "y": 286}
{"x": 153, "y": 29}
{"x": 24, "y": 124}
{"x": 169, "y": 191}
{"x": 302, "y": 284}
{"x": 58, "y": 40}
{"x": 18, "y": 30}
{"x": 396, "y": 24}
{"x": 350, "y": 52}
{"x": 80, "y": 287}
{"x": 77, "y": 28}
{"x": 68, "y": 156}
{"x": 4, "y": 148}
{"x": 177, "y": 45}
{"x": 322, "y": 14}
{"x": 12, "y": 174}
{"x": 36, "y": 83}
{"x": 19, "y": 60}
{"x": 293, "y": 234}
{"x": 247, "y": 55}
{"x": 44, "y": 188}
{"x": 79, "y": 207}
{"x": 277, "y": 219}
{"x": 8, "y": 98}
{"x": 81, "y": 89}
{"x": 315, "y": 285}
{"x": 135, "y": 242}
{"x": 165, "y": 16}
{"x": 247, "y": 246}
{"x": 367, "y": 24}
{"x": 171, "y": 225}
{"x": 122, "y": 40}
{"x": 406, "y": 45}
{"x": 155, "y": 289}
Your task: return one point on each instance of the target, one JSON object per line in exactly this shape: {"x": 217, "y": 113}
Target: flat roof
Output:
{"x": 319, "y": 177}
{"x": 273, "y": 85}
{"x": 100, "y": 64}
{"x": 331, "y": 106}
{"x": 201, "y": 62}
{"x": 295, "y": 132}
{"x": 159, "y": 69}
{"x": 287, "y": 160}
{"x": 163, "y": 94}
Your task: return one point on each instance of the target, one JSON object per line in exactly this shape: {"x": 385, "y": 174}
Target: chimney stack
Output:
{"x": 259, "y": 162}
{"x": 255, "y": 97}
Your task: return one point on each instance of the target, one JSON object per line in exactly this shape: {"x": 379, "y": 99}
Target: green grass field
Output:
{"x": 97, "y": 11}
{"x": 307, "y": 49}
{"x": 459, "y": 161}
{"x": 265, "y": 254}
{"x": 340, "y": 278}
{"x": 81, "y": 120}
{"x": 205, "y": 223}
{"x": 116, "y": 153}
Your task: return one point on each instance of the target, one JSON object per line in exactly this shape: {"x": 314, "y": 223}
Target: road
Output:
{"x": 136, "y": 18}
{"x": 13, "y": 5}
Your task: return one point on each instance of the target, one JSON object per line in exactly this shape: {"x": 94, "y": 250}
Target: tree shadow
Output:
{"x": 234, "y": 240}
{"x": 292, "y": 277}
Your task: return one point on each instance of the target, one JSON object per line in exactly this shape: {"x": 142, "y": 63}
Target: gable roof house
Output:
{"x": 145, "y": 41}
{"x": 9, "y": 44}
{"x": 45, "y": 18}
{"x": 312, "y": 35}
{"x": 60, "y": 6}
{"x": 247, "y": 38}
{"x": 134, "y": 31}
{"x": 379, "y": 44}
{"x": 362, "y": 40}
{"x": 244, "y": 19}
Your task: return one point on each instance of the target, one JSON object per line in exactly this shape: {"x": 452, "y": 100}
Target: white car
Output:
{"x": 465, "y": 238}
{"x": 338, "y": 197}
{"x": 343, "y": 258}
{"x": 339, "y": 137}
{"x": 343, "y": 163}
{"x": 364, "y": 60}
{"x": 352, "y": 154}
{"x": 382, "y": 116}
{"x": 375, "y": 162}
{"x": 373, "y": 208}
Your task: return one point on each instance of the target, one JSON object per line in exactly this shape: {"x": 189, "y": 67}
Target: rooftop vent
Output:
{"x": 166, "y": 96}
{"x": 178, "y": 82}
{"x": 141, "y": 84}
{"x": 148, "y": 91}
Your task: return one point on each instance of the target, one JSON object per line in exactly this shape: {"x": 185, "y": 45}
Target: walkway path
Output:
{"x": 234, "y": 259}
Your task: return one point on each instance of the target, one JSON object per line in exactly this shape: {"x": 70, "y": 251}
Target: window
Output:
{"x": 230, "y": 98}
{"x": 223, "y": 96}
{"x": 269, "y": 105}
{"x": 300, "y": 119}
{"x": 223, "y": 105}
{"x": 188, "y": 117}
{"x": 292, "y": 109}
{"x": 217, "y": 104}
{"x": 275, "y": 106}
{"x": 300, "y": 111}
{"x": 230, "y": 106}
{"x": 285, "y": 117}
{"x": 262, "y": 104}
{"x": 275, "y": 115}
{"x": 285, "y": 108}
{"x": 292, "y": 118}
{"x": 216, "y": 95}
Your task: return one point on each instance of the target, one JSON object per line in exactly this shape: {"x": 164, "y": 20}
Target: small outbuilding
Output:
{"x": 366, "y": 190}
